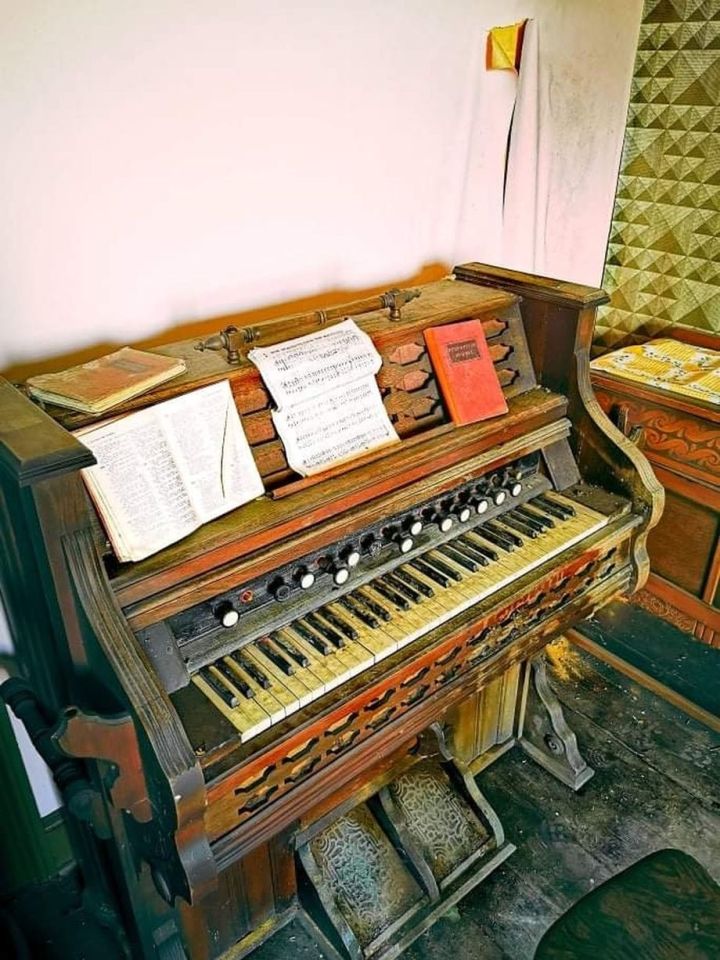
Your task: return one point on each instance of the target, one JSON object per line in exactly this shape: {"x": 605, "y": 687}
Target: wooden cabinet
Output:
{"x": 681, "y": 438}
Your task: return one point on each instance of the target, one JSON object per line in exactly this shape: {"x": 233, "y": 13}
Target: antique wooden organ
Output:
{"x": 285, "y": 712}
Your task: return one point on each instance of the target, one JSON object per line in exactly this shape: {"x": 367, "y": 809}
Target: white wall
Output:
{"x": 166, "y": 160}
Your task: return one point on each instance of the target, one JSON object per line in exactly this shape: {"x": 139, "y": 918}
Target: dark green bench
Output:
{"x": 664, "y": 907}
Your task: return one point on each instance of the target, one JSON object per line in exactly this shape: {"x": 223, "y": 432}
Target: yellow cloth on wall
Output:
{"x": 504, "y": 47}
{"x": 668, "y": 365}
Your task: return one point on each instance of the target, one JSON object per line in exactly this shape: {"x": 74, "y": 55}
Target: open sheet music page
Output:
{"x": 164, "y": 471}
{"x": 329, "y": 407}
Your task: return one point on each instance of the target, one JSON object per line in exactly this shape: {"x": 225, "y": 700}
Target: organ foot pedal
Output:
{"x": 379, "y": 875}
{"x": 545, "y": 735}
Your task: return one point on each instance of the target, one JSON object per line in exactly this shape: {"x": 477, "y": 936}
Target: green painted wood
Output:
{"x": 664, "y": 907}
{"x": 25, "y": 853}
{"x": 659, "y": 649}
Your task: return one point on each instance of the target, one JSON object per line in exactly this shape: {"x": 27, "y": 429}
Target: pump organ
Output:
{"x": 287, "y": 709}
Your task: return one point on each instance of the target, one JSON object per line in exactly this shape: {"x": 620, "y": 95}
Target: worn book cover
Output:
{"x": 101, "y": 384}
{"x": 464, "y": 369}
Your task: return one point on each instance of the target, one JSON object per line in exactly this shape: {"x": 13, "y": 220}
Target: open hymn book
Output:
{"x": 329, "y": 408}
{"x": 164, "y": 471}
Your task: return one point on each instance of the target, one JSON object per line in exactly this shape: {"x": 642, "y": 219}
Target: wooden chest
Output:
{"x": 681, "y": 439}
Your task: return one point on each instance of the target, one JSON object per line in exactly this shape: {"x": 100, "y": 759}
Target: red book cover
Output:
{"x": 464, "y": 369}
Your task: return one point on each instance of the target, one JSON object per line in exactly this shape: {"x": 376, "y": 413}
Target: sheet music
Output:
{"x": 305, "y": 367}
{"x": 334, "y": 427}
{"x": 329, "y": 407}
{"x": 164, "y": 471}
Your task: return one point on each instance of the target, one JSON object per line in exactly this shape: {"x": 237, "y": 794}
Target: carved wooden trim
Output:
{"x": 112, "y": 739}
{"x": 684, "y": 439}
{"x": 666, "y": 611}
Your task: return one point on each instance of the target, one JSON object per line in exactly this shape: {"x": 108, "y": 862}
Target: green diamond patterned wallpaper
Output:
{"x": 662, "y": 264}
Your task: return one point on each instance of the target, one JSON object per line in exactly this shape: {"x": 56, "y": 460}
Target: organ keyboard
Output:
{"x": 306, "y": 683}
{"x": 269, "y": 678}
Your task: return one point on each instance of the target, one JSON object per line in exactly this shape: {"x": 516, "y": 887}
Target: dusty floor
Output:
{"x": 657, "y": 784}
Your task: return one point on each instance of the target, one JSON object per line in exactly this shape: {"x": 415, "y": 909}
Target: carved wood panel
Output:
{"x": 680, "y": 437}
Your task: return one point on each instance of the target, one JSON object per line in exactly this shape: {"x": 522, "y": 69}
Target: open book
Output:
{"x": 164, "y": 471}
{"x": 329, "y": 407}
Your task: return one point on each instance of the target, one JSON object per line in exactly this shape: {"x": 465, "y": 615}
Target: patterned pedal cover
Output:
{"x": 371, "y": 887}
{"x": 444, "y": 827}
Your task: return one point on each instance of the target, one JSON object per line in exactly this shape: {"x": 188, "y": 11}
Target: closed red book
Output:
{"x": 464, "y": 369}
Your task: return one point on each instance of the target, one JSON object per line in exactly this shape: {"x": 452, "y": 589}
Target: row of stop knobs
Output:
{"x": 455, "y": 509}
{"x": 495, "y": 490}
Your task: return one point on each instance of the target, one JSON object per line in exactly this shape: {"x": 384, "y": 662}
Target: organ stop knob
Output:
{"x": 396, "y": 535}
{"x": 227, "y": 614}
{"x": 279, "y": 590}
{"x": 304, "y": 577}
{"x": 442, "y": 519}
{"x": 350, "y": 555}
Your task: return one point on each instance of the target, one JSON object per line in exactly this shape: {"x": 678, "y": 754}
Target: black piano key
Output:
{"x": 503, "y": 533}
{"x": 342, "y": 626}
{"x": 245, "y": 689}
{"x": 391, "y": 595}
{"x": 548, "y": 509}
{"x": 508, "y": 520}
{"x": 482, "y": 550}
{"x": 529, "y": 522}
{"x": 290, "y": 650}
{"x": 322, "y": 646}
{"x": 424, "y": 588}
{"x": 404, "y": 589}
{"x": 226, "y": 695}
{"x": 482, "y": 555}
{"x": 457, "y": 556}
{"x": 276, "y": 657}
{"x": 430, "y": 572}
{"x": 443, "y": 568}
{"x": 373, "y": 606}
{"x": 564, "y": 509}
{"x": 496, "y": 537}
{"x": 335, "y": 638}
{"x": 250, "y": 668}
{"x": 533, "y": 517}
{"x": 356, "y": 610}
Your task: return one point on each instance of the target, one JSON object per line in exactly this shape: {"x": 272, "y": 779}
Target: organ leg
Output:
{"x": 543, "y": 731}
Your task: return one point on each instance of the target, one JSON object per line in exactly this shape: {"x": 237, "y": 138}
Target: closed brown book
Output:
{"x": 464, "y": 369}
{"x": 105, "y": 383}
